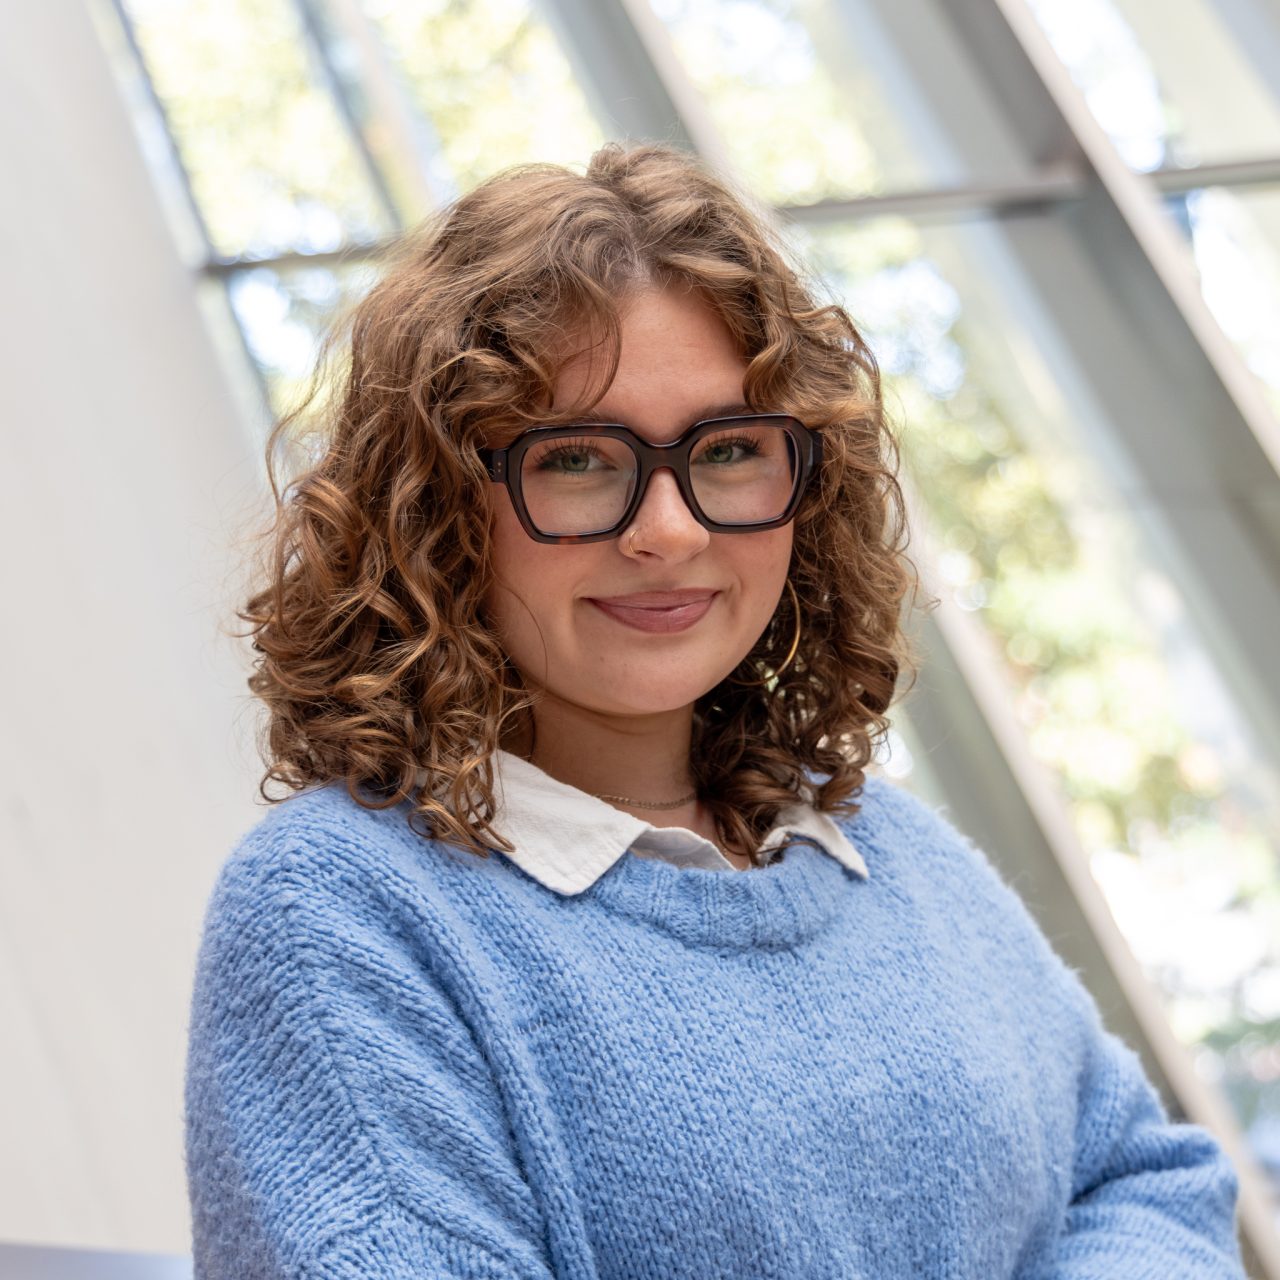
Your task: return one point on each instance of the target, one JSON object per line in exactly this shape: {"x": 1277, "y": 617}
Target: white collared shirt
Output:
{"x": 567, "y": 839}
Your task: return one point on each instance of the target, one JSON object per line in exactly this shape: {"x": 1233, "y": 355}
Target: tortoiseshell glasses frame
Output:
{"x": 505, "y": 467}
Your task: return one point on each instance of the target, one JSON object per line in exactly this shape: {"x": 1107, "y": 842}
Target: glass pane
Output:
{"x": 271, "y": 165}
{"x": 1175, "y": 806}
{"x": 1235, "y": 239}
{"x": 810, "y": 100}
{"x": 492, "y": 80}
{"x": 1174, "y": 89}
{"x": 283, "y": 312}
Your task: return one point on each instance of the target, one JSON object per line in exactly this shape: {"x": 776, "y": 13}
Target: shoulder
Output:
{"x": 326, "y": 830}
{"x": 319, "y": 865}
{"x": 297, "y": 849}
{"x": 334, "y": 1013}
{"x": 915, "y": 846}
{"x": 338, "y": 920}
{"x": 893, "y": 820}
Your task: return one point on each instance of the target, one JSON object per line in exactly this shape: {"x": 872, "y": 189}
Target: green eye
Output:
{"x": 733, "y": 449}
{"x": 570, "y": 460}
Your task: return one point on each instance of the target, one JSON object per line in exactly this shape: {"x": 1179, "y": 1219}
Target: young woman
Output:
{"x": 586, "y": 947}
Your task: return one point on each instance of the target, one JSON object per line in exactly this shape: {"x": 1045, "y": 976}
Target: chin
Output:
{"x": 635, "y": 693}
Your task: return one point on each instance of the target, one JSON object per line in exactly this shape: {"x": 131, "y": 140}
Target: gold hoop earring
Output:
{"x": 791, "y": 653}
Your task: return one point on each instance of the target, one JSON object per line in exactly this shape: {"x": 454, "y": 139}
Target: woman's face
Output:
{"x": 678, "y": 364}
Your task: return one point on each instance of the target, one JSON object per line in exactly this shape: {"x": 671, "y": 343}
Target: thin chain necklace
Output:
{"x": 648, "y": 804}
{"x": 639, "y": 804}
{"x": 664, "y": 804}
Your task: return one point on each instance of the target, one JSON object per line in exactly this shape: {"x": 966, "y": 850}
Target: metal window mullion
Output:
{"x": 1052, "y": 186}
{"x": 192, "y": 210}
{"x": 317, "y": 44}
{"x": 1258, "y": 171}
{"x": 249, "y": 378}
{"x": 251, "y": 374}
{"x": 417, "y": 147}
{"x": 623, "y": 55}
{"x": 1207, "y": 492}
{"x": 1137, "y": 202}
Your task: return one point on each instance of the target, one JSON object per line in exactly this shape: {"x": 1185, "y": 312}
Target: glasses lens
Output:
{"x": 577, "y": 484}
{"x": 745, "y": 472}
{"x": 742, "y": 473}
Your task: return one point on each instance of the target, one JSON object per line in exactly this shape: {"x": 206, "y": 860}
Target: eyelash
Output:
{"x": 564, "y": 448}
{"x": 743, "y": 442}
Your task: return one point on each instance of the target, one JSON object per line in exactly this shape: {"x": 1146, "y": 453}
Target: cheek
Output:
{"x": 761, "y": 561}
{"x": 511, "y": 545}
{"x": 515, "y": 565}
{"x": 531, "y": 591}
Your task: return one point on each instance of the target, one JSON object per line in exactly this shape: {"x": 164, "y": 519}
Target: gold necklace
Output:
{"x": 649, "y": 804}
{"x": 639, "y": 804}
{"x": 666, "y": 804}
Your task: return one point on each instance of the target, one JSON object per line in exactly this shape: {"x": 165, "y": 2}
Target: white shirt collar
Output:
{"x": 567, "y": 839}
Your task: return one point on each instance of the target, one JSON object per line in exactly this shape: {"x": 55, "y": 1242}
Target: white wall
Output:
{"x": 126, "y": 761}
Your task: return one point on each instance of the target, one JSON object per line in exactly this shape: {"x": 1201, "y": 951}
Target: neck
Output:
{"x": 642, "y": 757}
{"x": 639, "y": 757}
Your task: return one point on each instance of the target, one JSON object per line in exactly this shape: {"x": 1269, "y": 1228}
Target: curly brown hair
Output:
{"x": 377, "y": 663}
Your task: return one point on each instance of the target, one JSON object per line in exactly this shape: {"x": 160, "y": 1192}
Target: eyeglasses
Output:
{"x": 585, "y": 483}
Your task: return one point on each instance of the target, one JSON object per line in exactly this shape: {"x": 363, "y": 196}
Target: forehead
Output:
{"x": 678, "y": 362}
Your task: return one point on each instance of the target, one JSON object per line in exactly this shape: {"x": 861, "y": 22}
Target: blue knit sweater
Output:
{"x": 407, "y": 1061}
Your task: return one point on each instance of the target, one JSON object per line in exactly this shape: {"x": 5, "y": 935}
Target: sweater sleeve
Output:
{"x": 1149, "y": 1199}
{"x": 342, "y": 1121}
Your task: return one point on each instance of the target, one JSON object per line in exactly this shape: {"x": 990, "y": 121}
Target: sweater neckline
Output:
{"x": 777, "y": 906}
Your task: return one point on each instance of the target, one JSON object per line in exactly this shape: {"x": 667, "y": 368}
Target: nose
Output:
{"x": 663, "y": 524}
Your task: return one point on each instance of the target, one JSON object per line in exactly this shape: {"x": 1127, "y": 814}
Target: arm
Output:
{"x": 342, "y": 1121}
{"x": 1149, "y": 1200}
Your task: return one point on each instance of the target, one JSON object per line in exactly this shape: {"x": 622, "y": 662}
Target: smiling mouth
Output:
{"x": 657, "y": 611}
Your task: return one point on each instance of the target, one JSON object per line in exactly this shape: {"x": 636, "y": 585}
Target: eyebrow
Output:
{"x": 709, "y": 411}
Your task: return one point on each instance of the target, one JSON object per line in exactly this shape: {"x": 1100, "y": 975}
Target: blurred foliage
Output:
{"x": 1235, "y": 246}
{"x": 1095, "y": 640}
{"x": 1243, "y": 1058}
{"x": 1194, "y": 94}
{"x": 786, "y": 121}
{"x": 282, "y": 312}
{"x": 492, "y": 80}
{"x": 271, "y": 166}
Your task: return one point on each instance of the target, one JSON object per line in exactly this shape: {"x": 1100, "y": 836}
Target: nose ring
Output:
{"x": 631, "y": 542}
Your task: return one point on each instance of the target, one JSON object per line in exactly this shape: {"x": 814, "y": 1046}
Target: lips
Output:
{"x": 658, "y": 611}
{"x": 658, "y": 599}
